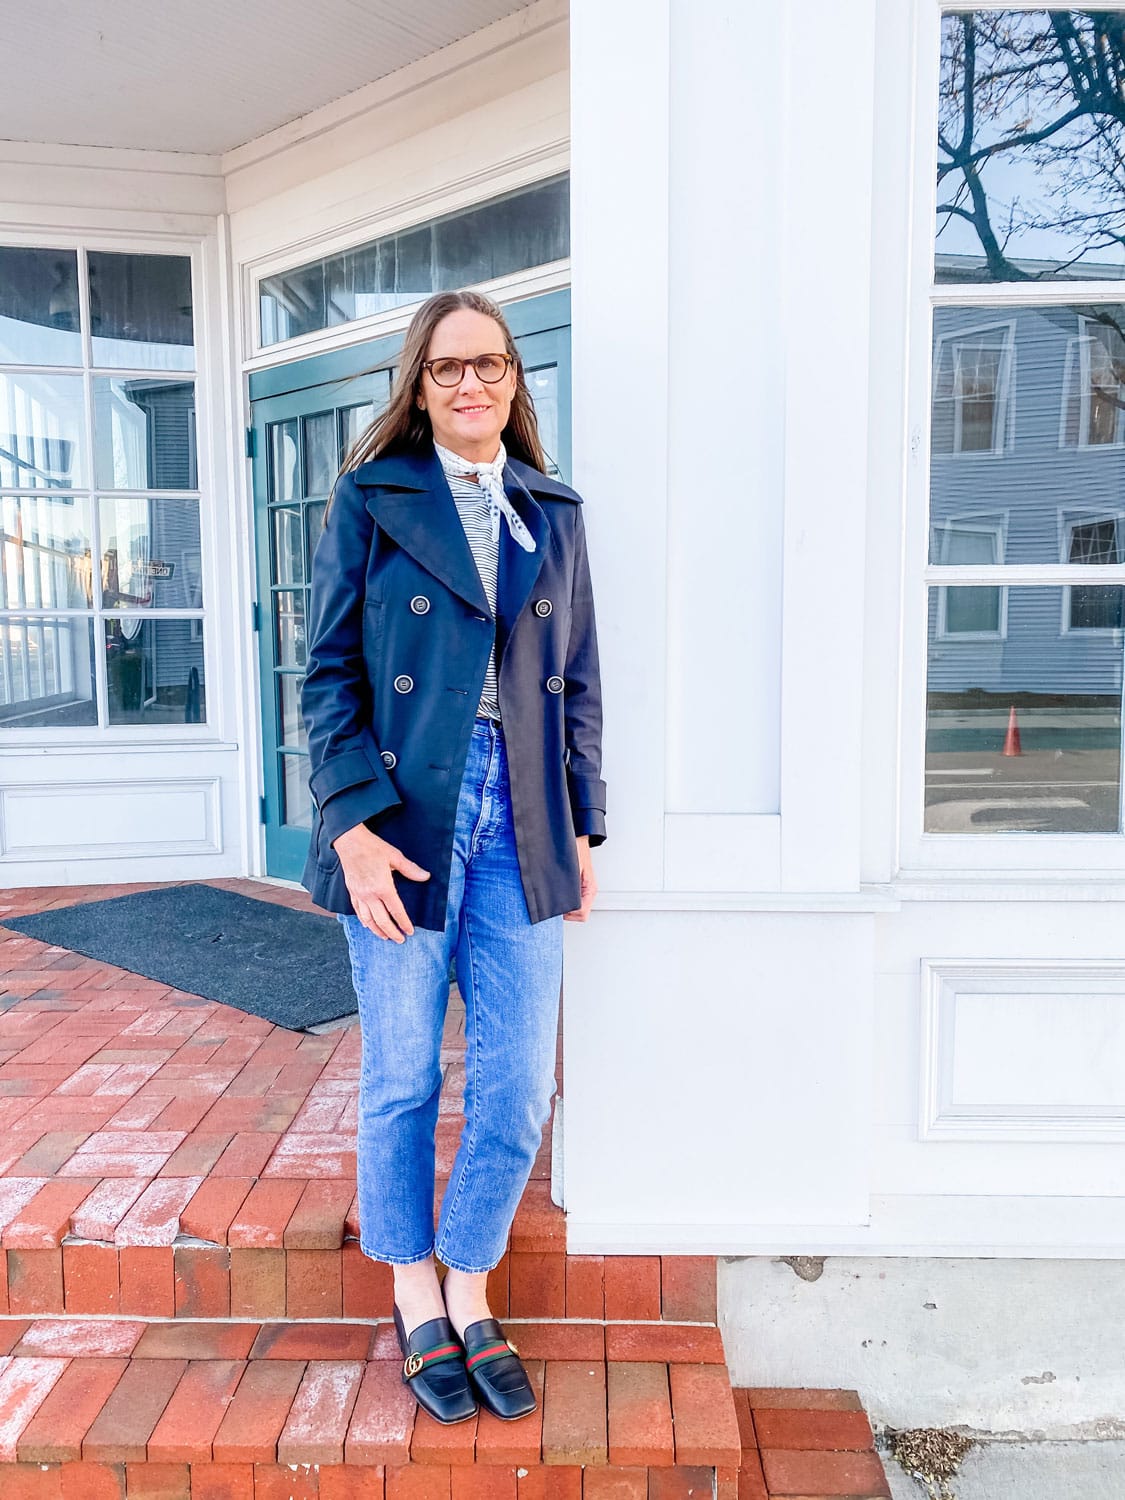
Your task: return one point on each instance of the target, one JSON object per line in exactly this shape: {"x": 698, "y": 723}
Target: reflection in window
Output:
{"x": 47, "y": 672}
{"x": 524, "y": 228}
{"x": 45, "y": 552}
{"x": 968, "y": 540}
{"x": 140, "y": 311}
{"x": 1028, "y": 459}
{"x": 144, "y": 434}
{"x": 154, "y": 671}
{"x": 971, "y": 391}
{"x": 1094, "y": 411}
{"x": 1031, "y": 137}
{"x": 41, "y": 431}
{"x": 39, "y": 306}
{"x": 96, "y": 552}
{"x": 150, "y": 553}
{"x": 1097, "y": 542}
{"x": 1023, "y": 734}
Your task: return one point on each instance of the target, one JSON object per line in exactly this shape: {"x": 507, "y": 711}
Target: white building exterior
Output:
{"x": 803, "y": 1021}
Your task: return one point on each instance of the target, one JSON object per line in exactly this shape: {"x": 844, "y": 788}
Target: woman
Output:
{"x": 453, "y": 710}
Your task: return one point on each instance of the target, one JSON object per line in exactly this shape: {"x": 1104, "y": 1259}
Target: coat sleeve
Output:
{"x": 583, "y": 703}
{"x": 347, "y": 777}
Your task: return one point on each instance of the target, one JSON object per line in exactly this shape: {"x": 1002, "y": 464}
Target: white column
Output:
{"x": 717, "y": 1052}
{"x": 619, "y": 251}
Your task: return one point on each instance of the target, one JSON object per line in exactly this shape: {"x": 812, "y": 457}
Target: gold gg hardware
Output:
{"x": 414, "y": 1363}
{"x": 511, "y": 1346}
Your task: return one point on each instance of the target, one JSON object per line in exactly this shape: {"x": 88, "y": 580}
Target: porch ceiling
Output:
{"x": 207, "y": 76}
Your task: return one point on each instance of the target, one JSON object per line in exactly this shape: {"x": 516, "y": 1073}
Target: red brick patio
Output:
{"x": 185, "y": 1311}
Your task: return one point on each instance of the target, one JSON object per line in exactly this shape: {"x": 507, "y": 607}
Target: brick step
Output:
{"x": 115, "y": 1407}
{"x": 194, "y": 1278}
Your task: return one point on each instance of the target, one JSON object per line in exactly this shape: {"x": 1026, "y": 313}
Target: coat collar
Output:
{"x": 410, "y": 498}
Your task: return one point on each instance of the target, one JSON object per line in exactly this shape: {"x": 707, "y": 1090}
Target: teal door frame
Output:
{"x": 298, "y": 410}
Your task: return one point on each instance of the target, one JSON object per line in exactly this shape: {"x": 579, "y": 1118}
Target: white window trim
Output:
{"x": 141, "y": 736}
{"x": 972, "y": 857}
{"x": 998, "y": 529}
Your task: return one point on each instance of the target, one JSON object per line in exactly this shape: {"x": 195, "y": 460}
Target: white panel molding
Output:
{"x": 950, "y": 986}
{"x": 722, "y": 851}
{"x": 26, "y": 807}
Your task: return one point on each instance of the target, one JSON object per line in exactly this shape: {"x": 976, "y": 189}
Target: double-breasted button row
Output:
{"x": 420, "y": 604}
{"x": 543, "y": 608}
{"x": 555, "y": 684}
{"x": 389, "y": 759}
{"x": 404, "y": 683}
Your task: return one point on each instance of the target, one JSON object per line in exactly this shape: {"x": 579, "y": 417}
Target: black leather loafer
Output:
{"x": 434, "y": 1369}
{"x": 496, "y": 1371}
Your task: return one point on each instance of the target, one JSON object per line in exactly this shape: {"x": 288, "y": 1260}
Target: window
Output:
{"x": 976, "y": 612}
{"x": 1025, "y": 582}
{"x": 1094, "y": 395}
{"x": 101, "y": 593}
{"x": 514, "y": 232}
{"x": 971, "y": 381}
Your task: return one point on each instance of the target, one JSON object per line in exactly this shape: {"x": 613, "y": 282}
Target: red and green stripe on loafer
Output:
{"x": 433, "y": 1367}
{"x": 496, "y": 1371}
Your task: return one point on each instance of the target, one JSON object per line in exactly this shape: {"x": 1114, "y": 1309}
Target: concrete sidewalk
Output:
{"x": 999, "y": 1470}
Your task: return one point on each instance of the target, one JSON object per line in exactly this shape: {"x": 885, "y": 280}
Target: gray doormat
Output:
{"x": 289, "y": 967}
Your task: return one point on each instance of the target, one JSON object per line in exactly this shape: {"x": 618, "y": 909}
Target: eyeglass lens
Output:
{"x": 489, "y": 367}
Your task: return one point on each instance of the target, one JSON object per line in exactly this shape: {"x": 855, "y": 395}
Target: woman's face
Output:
{"x": 469, "y": 417}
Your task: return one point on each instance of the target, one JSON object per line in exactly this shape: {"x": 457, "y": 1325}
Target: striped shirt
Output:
{"x": 472, "y": 507}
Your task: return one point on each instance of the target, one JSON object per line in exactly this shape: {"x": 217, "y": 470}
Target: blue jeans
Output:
{"x": 509, "y": 972}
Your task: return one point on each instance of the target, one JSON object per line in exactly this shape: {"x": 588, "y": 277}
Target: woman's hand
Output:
{"x": 589, "y": 881}
{"x": 368, "y": 863}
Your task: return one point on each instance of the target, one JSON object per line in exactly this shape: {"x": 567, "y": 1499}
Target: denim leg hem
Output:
{"x": 396, "y": 1260}
{"x": 453, "y": 1265}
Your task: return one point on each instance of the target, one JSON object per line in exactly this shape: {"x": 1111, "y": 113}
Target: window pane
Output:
{"x": 140, "y": 311}
{"x": 1023, "y": 734}
{"x": 290, "y": 719}
{"x": 144, "y": 434}
{"x": 46, "y": 552}
{"x": 283, "y": 460}
{"x": 544, "y": 387}
{"x": 288, "y": 545}
{"x": 39, "y": 307}
{"x": 1028, "y": 435}
{"x": 529, "y": 227}
{"x": 47, "y": 673}
{"x": 41, "y": 432}
{"x": 289, "y": 614}
{"x": 154, "y": 671}
{"x": 321, "y": 462}
{"x": 150, "y": 553}
{"x": 295, "y": 784}
{"x": 1034, "y": 188}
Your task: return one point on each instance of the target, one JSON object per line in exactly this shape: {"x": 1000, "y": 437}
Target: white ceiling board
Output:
{"x": 205, "y": 76}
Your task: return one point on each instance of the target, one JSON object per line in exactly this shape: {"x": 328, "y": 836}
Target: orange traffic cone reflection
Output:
{"x": 1012, "y": 738}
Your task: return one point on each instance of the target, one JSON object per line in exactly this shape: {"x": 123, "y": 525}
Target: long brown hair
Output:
{"x": 403, "y": 426}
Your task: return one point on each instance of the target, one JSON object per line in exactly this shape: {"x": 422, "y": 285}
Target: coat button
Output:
{"x": 555, "y": 684}
{"x": 420, "y": 604}
{"x": 543, "y": 608}
{"x": 389, "y": 759}
{"x": 404, "y": 683}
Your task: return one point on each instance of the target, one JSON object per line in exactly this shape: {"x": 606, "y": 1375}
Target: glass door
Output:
{"x": 304, "y": 418}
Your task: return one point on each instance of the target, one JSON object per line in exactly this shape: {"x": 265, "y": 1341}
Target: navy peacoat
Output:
{"x": 398, "y": 640}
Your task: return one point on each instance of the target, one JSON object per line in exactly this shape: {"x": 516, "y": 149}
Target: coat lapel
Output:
{"x": 414, "y": 505}
{"x": 518, "y": 569}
